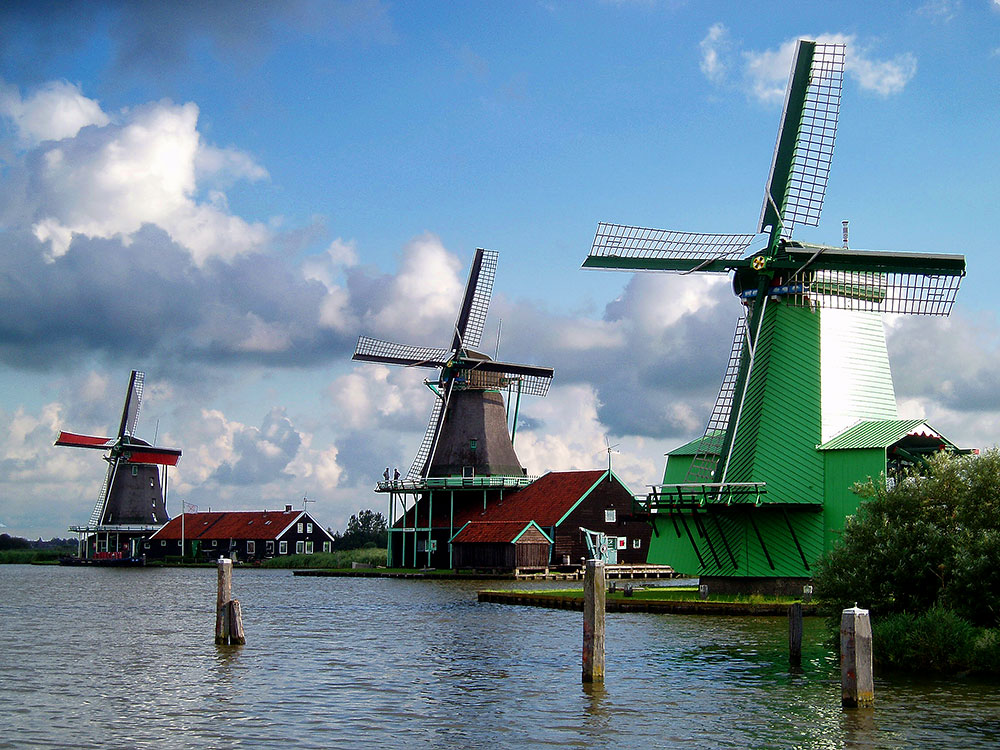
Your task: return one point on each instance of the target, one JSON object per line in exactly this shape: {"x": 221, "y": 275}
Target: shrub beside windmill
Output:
{"x": 467, "y": 452}
{"x": 132, "y": 503}
{"x": 807, "y": 405}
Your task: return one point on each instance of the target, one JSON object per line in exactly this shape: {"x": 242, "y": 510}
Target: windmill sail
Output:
{"x": 800, "y": 167}
{"x": 476, "y": 303}
{"x": 420, "y": 461}
{"x": 689, "y": 249}
{"x": 133, "y": 399}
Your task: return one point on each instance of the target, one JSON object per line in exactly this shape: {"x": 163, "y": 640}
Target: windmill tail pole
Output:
{"x": 228, "y": 616}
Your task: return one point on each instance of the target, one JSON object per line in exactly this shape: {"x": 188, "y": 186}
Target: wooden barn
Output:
{"x": 240, "y": 535}
{"x": 559, "y": 503}
{"x": 501, "y": 545}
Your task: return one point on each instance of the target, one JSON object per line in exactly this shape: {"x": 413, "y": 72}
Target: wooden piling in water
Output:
{"x": 594, "y": 599}
{"x": 228, "y": 615}
{"x": 857, "y": 681}
{"x": 795, "y": 634}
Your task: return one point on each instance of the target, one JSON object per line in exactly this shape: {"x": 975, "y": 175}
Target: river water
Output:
{"x": 126, "y": 658}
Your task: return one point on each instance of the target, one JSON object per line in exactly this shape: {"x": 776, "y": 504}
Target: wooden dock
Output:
{"x": 632, "y": 572}
{"x": 664, "y": 606}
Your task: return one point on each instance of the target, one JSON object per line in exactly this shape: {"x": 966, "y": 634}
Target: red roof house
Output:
{"x": 559, "y": 503}
{"x": 241, "y": 535}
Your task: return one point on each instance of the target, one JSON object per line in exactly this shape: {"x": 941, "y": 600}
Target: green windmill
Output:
{"x": 807, "y": 405}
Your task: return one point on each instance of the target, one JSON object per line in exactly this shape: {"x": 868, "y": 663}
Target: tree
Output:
{"x": 931, "y": 539}
{"x": 365, "y": 528}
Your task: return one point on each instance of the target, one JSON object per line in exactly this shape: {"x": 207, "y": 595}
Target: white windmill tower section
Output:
{"x": 856, "y": 382}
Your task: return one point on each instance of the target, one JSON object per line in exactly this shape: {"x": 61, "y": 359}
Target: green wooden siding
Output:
{"x": 780, "y": 424}
{"x": 844, "y": 468}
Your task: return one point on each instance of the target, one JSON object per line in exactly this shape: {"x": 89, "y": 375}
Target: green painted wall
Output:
{"x": 844, "y": 468}
{"x": 744, "y": 555}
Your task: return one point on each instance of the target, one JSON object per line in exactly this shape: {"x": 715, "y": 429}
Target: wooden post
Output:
{"x": 593, "y": 622}
{"x": 228, "y": 616}
{"x": 856, "y": 679}
{"x": 795, "y": 634}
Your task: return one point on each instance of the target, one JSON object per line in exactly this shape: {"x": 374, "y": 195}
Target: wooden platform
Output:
{"x": 616, "y": 572}
{"x": 685, "y": 607}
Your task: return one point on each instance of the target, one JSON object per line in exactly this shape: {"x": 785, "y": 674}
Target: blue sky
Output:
{"x": 226, "y": 198}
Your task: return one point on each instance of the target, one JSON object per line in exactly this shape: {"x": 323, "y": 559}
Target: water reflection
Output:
{"x": 127, "y": 658}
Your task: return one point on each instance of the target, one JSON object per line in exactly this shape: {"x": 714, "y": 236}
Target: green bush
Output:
{"x": 930, "y": 539}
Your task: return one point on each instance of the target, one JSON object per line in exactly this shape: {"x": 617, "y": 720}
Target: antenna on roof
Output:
{"x": 306, "y": 500}
{"x": 610, "y": 449}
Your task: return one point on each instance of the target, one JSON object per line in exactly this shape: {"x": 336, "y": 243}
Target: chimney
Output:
{"x": 288, "y": 509}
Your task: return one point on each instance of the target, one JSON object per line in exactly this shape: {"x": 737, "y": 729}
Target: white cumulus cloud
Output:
{"x": 145, "y": 166}
{"x": 766, "y": 71}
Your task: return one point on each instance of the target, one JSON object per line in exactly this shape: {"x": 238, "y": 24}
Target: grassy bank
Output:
{"x": 339, "y": 559}
{"x": 30, "y": 556}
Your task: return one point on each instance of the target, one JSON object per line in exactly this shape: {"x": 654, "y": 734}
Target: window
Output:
{"x": 299, "y": 547}
{"x": 309, "y": 548}
{"x": 472, "y": 444}
{"x": 636, "y": 544}
{"x": 251, "y": 547}
{"x": 163, "y": 542}
{"x": 180, "y": 543}
{"x": 215, "y": 542}
{"x": 326, "y": 546}
{"x": 309, "y": 528}
{"x": 268, "y": 548}
{"x": 151, "y": 485}
{"x": 145, "y": 545}
{"x": 135, "y": 471}
{"x": 298, "y": 528}
{"x": 282, "y": 548}
{"x": 610, "y": 515}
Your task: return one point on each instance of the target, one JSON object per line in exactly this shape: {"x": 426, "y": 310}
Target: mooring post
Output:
{"x": 593, "y": 622}
{"x": 857, "y": 681}
{"x": 228, "y": 616}
{"x": 795, "y": 634}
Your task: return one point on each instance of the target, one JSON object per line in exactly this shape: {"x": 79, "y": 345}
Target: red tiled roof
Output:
{"x": 242, "y": 524}
{"x": 545, "y": 501}
{"x": 490, "y": 531}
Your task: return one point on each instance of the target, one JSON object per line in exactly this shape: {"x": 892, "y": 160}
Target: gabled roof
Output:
{"x": 241, "y": 524}
{"x": 547, "y": 500}
{"x": 503, "y": 532}
{"x": 881, "y": 433}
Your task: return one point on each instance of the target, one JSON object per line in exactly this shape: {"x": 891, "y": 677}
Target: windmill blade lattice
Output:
{"x": 800, "y": 167}
{"x": 427, "y": 442}
{"x": 534, "y": 381}
{"x": 102, "y": 499}
{"x": 476, "y": 303}
{"x": 386, "y": 352}
{"x": 621, "y": 241}
{"x": 703, "y": 465}
{"x": 130, "y": 414}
